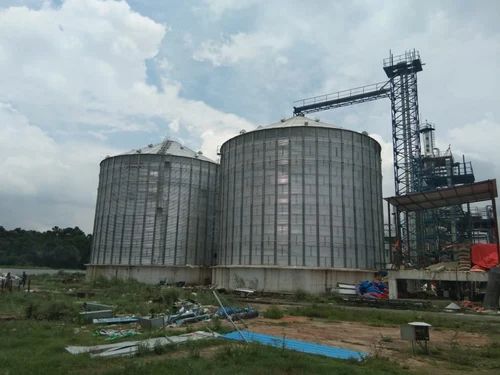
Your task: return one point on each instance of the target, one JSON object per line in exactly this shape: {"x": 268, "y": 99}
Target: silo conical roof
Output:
{"x": 298, "y": 121}
{"x": 169, "y": 147}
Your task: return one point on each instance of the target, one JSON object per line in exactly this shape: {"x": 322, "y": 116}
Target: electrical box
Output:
{"x": 415, "y": 331}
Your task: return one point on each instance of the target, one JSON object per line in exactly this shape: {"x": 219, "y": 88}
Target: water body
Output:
{"x": 35, "y": 271}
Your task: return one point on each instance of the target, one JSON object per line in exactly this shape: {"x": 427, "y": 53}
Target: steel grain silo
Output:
{"x": 301, "y": 207}
{"x": 155, "y": 215}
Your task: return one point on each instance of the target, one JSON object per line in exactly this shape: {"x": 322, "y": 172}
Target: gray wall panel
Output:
{"x": 301, "y": 196}
{"x": 155, "y": 209}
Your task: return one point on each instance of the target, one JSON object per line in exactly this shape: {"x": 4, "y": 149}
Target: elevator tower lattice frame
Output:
{"x": 402, "y": 73}
{"x": 402, "y": 90}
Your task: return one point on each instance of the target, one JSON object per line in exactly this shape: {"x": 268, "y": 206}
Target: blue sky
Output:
{"x": 82, "y": 79}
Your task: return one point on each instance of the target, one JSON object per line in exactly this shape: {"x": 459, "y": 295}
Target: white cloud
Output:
{"x": 478, "y": 141}
{"x": 34, "y": 167}
{"x": 242, "y": 46}
{"x": 81, "y": 67}
{"x": 86, "y": 62}
{"x": 219, "y": 7}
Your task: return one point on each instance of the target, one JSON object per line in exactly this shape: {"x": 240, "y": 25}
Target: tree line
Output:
{"x": 56, "y": 248}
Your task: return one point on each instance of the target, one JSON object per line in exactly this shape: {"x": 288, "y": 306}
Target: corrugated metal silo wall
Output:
{"x": 301, "y": 196}
{"x": 155, "y": 210}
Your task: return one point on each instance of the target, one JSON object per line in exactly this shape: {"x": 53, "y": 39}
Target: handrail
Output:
{"x": 379, "y": 86}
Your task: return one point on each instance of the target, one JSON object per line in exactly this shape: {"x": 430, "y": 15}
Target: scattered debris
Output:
{"x": 113, "y": 334}
{"x": 89, "y": 316}
{"x": 94, "y": 306}
{"x": 130, "y": 348}
{"x": 237, "y": 313}
{"x": 346, "y": 289}
{"x": 452, "y": 307}
{"x": 244, "y": 292}
{"x": 152, "y": 323}
{"x": 297, "y": 345}
{"x": 228, "y": 316}
{"x": 188, "y": 311}
{"x": 471, "y": 306}
{"x": 116, "y": 320}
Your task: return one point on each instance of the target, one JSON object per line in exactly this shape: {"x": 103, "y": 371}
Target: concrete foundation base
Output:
{"x": 151, "y": 274}
{"x": 286, "y": 279}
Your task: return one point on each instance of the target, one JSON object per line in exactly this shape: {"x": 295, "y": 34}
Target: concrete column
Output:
{"x": 393, "y": 288}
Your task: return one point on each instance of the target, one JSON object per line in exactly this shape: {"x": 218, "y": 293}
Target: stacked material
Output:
{"x": 463, "y": 256}
{"x": 373, "y": 289}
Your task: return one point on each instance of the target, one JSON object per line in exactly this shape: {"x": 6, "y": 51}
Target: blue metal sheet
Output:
{"x": 297, "y": 345}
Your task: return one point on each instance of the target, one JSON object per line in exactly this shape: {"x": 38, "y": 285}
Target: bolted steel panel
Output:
{"x": 155, "y": 209}
{"x": 296, "y": 195}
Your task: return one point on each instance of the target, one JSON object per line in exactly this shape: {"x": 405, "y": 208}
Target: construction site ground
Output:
{"x": 36, "y": 327}
{"x": 381, "y": 341}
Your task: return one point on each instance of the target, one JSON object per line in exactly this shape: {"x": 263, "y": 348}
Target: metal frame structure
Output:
{"x": 402, "y": 73}
{"x": 402, "y": 90}
{"x": 342, "y": 98}
{"x": 450, "y": 197}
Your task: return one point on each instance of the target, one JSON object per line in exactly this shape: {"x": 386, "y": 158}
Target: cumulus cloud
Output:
{"x": 80, "y": 68}
{"x": 336, "y": 47}
{"x": 59, "y": 176}
{"x": 77, "y": 77}
{"x": 219, "y": 7}
{"x": 242, "y": 46}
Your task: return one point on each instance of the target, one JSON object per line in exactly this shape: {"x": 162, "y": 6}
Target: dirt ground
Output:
{"x": 379, "y": 341}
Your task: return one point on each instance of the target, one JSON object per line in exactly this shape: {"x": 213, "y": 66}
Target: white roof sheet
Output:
{"x": 298, "y": 121}
{"x": 169, "y": 147}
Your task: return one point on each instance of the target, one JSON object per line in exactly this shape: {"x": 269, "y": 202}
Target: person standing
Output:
{"x": 24, "y": 278}
{"x": 8, "y": 282}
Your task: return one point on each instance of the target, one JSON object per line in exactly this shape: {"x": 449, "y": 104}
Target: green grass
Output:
{"x": 383, "y": 317}
{"x": 48, "y": 321}
{"x": 273, "y": 312}
{"x": 467, "y": 358}
{"x": 37, "y": 347}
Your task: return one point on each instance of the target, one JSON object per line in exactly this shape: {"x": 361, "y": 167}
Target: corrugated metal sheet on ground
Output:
{"x": 297, "y": 345}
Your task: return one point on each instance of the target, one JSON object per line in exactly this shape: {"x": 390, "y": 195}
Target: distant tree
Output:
{"x": 58, "y": 248}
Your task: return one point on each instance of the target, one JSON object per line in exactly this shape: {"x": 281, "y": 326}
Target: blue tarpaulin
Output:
{"x": 297, "y": 345}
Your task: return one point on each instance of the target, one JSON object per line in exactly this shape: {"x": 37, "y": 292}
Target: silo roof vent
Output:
{"x": 243, "y": 131}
